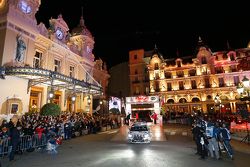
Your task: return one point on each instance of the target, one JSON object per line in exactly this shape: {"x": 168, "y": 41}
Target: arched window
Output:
{"x": 182, "y": 100}
{"x": 170, "y": 101}
{"x": 203, "y": 60}
{"x": 232, "y": 58}
{"x": 209, "y": 97}
{"x": 178, "y": 63}
{"x": 195, "y": 99}
{"x": 156, "y": 66}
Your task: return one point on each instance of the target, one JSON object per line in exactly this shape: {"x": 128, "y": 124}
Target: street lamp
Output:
{"x": 51, "y": 95}
{"x": 73, "y": 98}
{"x": 101, "y": 109}
{"x": 217, "y": 101}
{"x": 88, "y": 100}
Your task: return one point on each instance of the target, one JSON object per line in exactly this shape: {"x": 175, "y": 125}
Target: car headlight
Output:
{"x": 130, "y": 136}
{"x": 146, "y": 136}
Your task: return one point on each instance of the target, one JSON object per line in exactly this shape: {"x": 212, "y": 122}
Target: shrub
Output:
{"x": 50, "y": 109}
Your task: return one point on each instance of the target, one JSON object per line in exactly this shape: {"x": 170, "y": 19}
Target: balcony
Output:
{"x": 137, "y": 81}
{"x": 194, "y": 87}
{"x": 222, "y": 85}
{"x": 169, "y": 89}
{"x": 157, "y": 89}
{"x": 207, "y": 86}
{"x": 181, "y": 87}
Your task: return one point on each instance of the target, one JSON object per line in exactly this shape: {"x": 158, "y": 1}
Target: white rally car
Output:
{"x": 139, "y": 132}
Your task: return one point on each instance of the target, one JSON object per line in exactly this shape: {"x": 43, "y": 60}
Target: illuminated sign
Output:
{"x": 142, "y": 99}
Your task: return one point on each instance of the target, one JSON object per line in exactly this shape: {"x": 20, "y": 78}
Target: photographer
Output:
{"x": 226, "y": 137}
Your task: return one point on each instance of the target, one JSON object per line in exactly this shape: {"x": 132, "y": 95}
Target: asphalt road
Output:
{"x": 110, "y": 149}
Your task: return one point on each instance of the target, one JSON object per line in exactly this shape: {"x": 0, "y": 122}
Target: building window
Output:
{"x": 232, "y": 58}
{"x": 178, "y": 63}
{"x": 221, "y": 82}
{"x": 169, "y": 86}
{"x": 203, "y": 60}
{"x": 147, "y": 90}
{"x": 192, "y": 72}
{"x": 168, "y": 75}
{"x": 57, "y": 65}
{"x": 219, "y": 70}
{"x": 236, "y": 80}
{"x": 37, "y": 60}
{"x": 180, "y": 73}
{"x": 157, "y": 87}
{"x": 136, "y": 72}
{"x": 135, "y": 57}
{"x": 193, "y": 84}
{"x": 14, "y": 108}
{"x": 207, "y": 83}
{"x": 181, "y": 85}
{"x": 71, "y": 71}
{"x": 137, "y": 91}
{"x": 156, "y": 66}
{"x": 157, "y": 76}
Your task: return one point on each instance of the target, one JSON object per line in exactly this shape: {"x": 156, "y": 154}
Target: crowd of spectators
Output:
{"x": 65, "y": 126}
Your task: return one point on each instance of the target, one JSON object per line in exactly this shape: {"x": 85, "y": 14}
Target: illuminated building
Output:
{"x": 40, "y": 65}
{"x": 138, "y": 73}
{"x": 102, "y": 76}
{"x": 191, "y": 83}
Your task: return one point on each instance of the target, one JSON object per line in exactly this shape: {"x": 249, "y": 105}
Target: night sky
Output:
{"x": 123, "y": 25}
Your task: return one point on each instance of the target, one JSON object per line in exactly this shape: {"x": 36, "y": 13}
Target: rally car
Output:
{"x": 139, "y": 132}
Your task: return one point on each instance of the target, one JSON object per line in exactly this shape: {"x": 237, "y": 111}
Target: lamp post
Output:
{"x": 101, "y": 109}
{"x": 51, "y": 95}
{"x": 217, "y": 101}
{"x": 88, "y": 100}
{"x": 73, "y": 99}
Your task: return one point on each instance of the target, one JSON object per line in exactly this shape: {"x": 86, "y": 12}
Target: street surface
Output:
{"x": 172, "y": 146}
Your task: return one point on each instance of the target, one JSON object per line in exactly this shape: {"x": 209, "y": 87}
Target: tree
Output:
{"x": 50, "y": 109}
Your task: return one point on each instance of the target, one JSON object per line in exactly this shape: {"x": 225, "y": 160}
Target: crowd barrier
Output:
{"x": 26, "y": 143}
{"x": 31, "y": 143}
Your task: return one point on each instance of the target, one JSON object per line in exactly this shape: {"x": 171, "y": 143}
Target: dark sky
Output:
{"x": 122, "y": 25}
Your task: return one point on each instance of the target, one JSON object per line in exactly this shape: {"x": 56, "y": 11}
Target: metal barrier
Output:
{"x": 39, "y": 141}
{"x": 4, "y": 147}
{"x": 26, "y": 142}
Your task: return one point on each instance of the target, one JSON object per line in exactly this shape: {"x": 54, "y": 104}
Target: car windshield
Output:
{"x": 139, "y": 128}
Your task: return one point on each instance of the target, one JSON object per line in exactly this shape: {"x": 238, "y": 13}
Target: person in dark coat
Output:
{"x": 15, "y": 139}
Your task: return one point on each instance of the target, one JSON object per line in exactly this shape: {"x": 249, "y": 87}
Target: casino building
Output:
{"x": 205, "y": 81}
{"x": 39, "y": 64}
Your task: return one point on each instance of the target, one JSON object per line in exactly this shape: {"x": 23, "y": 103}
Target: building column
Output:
{"x": 248, "y": 107}
{"x": 234, "y": 107}
{"x": 204, "y": 107}
{"x": 231, "y": 106}
{"x": 62, "y": 102}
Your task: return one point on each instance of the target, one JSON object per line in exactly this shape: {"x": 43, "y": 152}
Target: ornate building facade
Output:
{"x": 190, "y": 84}
{"x": 40, "y": 64}
{"x": 138, "y": 72}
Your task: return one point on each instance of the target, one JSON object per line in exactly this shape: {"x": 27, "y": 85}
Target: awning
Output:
{"x": 51, "y": 78}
